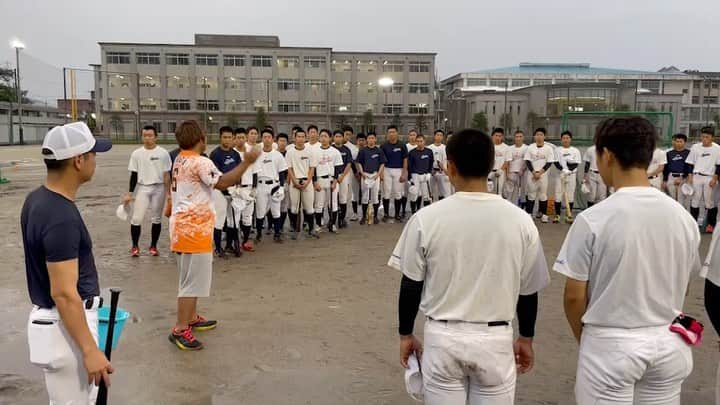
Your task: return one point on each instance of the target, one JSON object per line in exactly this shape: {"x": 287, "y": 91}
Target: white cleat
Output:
{"x": 544, "y": 219}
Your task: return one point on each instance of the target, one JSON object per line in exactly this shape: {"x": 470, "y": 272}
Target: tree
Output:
{"x": 232, "y": 121}
{"x": 532, "y": 120}
{"x": 7, "y": 87}
{"x": 506, "y": 121}
{"x": 116, "y": 124}
{"x": 480, "y": 121}
{"x": 420, "y": 124}
{"x": 368, "y": 121}
{"x": 91, "y": 122}
{"x": 622, "y": 107}
{"x": 260, "y": 118}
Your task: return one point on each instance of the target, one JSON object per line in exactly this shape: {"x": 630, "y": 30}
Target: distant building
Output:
{"x": 37, "y": 120}
{"x": 85, "y": 106}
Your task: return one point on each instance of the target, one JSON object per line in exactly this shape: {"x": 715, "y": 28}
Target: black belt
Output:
{"x": 268, "y": 182}
{"x": 246, "y": 185}
{"x": 490, "y": 324}
{"x": 652, "y": 177}
{"x": 677, "y": 174}
{"x": 702, "y": 174}
{"x": 594, "y": 171}
{"x": 327, "y": 176}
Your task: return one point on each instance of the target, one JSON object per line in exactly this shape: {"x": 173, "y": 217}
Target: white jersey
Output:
{"x": 353, "y": 150}
{"x": 327, "y": 159}
{"x": 568, "y": 155}
{"x": 500, "y": 153}
{"x": 247, "y": 177}
{"x": 300, "y": 161}
{"x": 539, "y": 156}
{"x": 410, "y": 146}
{"x": 150, "y": 165}
{"x": 659, "y": 158}
{"x": 704, "y": 158}
{"x": 628, "y": 289}
{"x": 591, "y": 157}
{"x": 516, "y": 156}
{"x": 471, "y": 276}
{"x": 271, "y": 164}
{"x": 440, "y": 156}
{"x": 313, "y": 147}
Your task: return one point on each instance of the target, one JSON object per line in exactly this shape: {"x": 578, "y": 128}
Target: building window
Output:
{"x": 119, "y": 81}
{"x": 520, "y": 82}
{"x": 341, "y": 66}
{"x": 342, "y": 87}
{"x": 696, "y": 84}
{"x": 150, "y": 81}
{"x": 315, "y": 83}
{"x": 397, "y": 88}
{"x": 715, "y": 85}
{"x": 711, "y": 100}
{"x": 147, "y": 58}
{"x": 422, "y": 88}
{"x": 178, "y": 105}
{"x": 285, "y": 62}
{"x": 205, "y": 82}
{"x": 206, "y": 60}
{"x": 417, "y": 108}
{"x": 392, "y": 109}
{"x": 419, "y": 67}
{"x": 493, "y": 109}
{"x": 171, "y": 127}
{"x": 178, "y": 82}
{"x": 121, "y": 104}
{"x": 315, "y": 62}
{"x": 158, "y": 126}
{"x": 177, "y": 58}
{"x": 367, "y": 87}
{"x": 261, "y": 61}
{"x": 366, "y": 66}
{"x": 498, "y": 82}
{"x": 288, "y": 106}
{"x": 471, "y": 82}
{"x": 343, "y": 108}
{"x": 393, "y": 66}
{"x": 234, "y": 83}
{"x": 212, "y": 105}
{"x": 149, "y": 104}
{"x": 118, "y": 58}
{"x": 233, "y": 60}
{"x": 695, "y": 99}
{"x": 652, "y": 85}
{"x": 518, "y": 109}
{"x": 234, "y": 105}
{"x": 287, "y": 85}
{"x": 314, "y": 107}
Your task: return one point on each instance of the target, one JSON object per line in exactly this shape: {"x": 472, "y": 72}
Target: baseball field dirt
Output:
{"x": 305, "y": 322}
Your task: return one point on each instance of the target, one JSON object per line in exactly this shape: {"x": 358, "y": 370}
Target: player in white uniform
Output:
{"x": 568, "y": 160}
{"x": 354, "y": 181}
{"x": 301, "y": 163}
{"x": 675, "y": 173}
{"x": 344, "y": 176}
{"x": 656, "y": 167}
{"x": 628, "y": 262}
{"x": 711, "y": 273}
{"x": 469, "y": 285}
{"x": 270, "y": 186}
{"x": 598, "y": 189}
{"x": 313, "y": 142}
{"x": 538, "y": 159}
{"x": 150, "y": 181}
{"x": 440, "y": 184}
{"x": 703, "y": 162}
{"x": 245, "y": 191}
{"x": 515, "y": 170}
{"x": 252, "y": 137}
{"x": 282, "y": 141}
{"x": 498, "y": 174}
{"x": 329, "y": 163}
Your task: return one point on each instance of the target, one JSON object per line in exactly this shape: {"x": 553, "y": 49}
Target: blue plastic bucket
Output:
{"x": 104, "y": 320}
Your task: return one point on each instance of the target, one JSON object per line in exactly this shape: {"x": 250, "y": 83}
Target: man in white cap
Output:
{"x": 61, "y": 274}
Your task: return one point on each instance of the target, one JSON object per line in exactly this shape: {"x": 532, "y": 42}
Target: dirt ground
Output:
{"x": 306, "y": 322}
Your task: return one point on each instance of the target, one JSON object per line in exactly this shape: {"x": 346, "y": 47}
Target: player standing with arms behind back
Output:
{"x": 469, "y": 285}
{"x": 627, "y": 263}
{"x": 150, "y": 181}
{"x": 702, "y": 164}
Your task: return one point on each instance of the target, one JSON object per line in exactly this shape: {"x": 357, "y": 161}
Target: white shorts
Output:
{"x": 703, "y": 192}
{"x": 195, "y": 274}
{"x": 537, "y": 190}
{"x": 53, "y": 350}
{"x": 151, "y": 198}
{"x": 422, "y": 182}
{"x": 466, "y": 363}
{"x": 631, "y": 366}
{"x": 656, "y": 181}
{"x": 392, "y": 188}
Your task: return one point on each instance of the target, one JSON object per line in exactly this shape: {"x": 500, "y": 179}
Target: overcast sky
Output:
{"x": 467, "y": 35}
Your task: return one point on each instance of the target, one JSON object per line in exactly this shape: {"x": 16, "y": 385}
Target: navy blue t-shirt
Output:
{"x": 676, "y": 162}
{"x": 371, "y": 159}
{"x": 225, "y": 160}
{"x": 420, "y": 161}
{"x": 54, "y": 231}
{"x": 395, "y": 153}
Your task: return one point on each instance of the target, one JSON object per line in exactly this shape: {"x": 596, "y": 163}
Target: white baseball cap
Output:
{"x": 70, "y": 140}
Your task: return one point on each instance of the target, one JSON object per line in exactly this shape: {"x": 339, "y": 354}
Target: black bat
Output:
{"x": 114, "y": 297}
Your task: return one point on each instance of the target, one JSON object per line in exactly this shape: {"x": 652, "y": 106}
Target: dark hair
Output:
{"x": 420, "y": 136}
{"x": 338, "y": 132}
{"x": 311, "y": 126}
{"x": 541, "y": 129}
{"x": 300, "y": 131}
{"x": 324, "y": 130}
{"x": 568, "y": 133}
{"x": 361, "y": 135}
{"x": 270, "y": 127}
{"x": 240, "y": 130}
{"x": 472, "y": 152}
{"x": 296, "y": 128}
{"x": 519, "y": 131}
{"x": 413, "y": 130}
{"x": 371, "y": 133}
{"x": 283, "y": 135}
{"x": 347, "y": 128}
{"x": 269, "y": 131}
{"x": 392, "y": 127}
{"x": 150, "y": 128}
{"x": 707, "y": 130}
{"x": 680, "y": 136}
{"x": 188, "y": 134}
{"x": 52, "y": 164}
{"x": 632, "y": 140}
{"x": 250, "y": 128}
{"x": 498, "y": 130}
{"x": 440, "y": 131}
{"x": 226, "y": 129}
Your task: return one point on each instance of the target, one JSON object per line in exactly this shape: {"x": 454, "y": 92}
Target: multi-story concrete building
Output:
{"x": 225, "y": 79}
{"x": 704, "y": 106}
{"x": 535, "y": 94}
{"x": 37, "y": 120}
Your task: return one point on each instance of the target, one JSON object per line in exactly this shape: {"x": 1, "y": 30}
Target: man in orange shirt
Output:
{"x": 191, "y": 227}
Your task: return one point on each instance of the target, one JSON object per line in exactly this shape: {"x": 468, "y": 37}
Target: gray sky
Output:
{"x": 467, "y": 35}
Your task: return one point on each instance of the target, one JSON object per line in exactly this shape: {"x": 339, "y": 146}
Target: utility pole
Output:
{"x": 65, "y": 95}
{"x": 205, "y": 114}
{"x": 138, "y": 130}
{"x": 18, "y": 91}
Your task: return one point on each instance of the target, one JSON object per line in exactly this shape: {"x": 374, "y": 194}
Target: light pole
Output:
{"x": 18, "y": 46}
{"x": 385, "y": 83}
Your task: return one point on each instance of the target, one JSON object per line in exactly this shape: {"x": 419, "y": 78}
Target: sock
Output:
{"x": 341, "y": 214}
{"x": 135, "y": 234}
{"x": 155, "y": 234}
{"x": 695, "y": 212}
{"x": 333, "y": 219}
{"x": 217, "y": 237}
{"x": 283, "y": 215}
{"x": 310, "y": 221}
{"x": 712, "y": 216}
{"x": 543, "y": 207}
{"x": 376, "y": 207}
{"x": 440, "y": 198}
{"x": 259, "y": 224}
{"x": 364, "y": 211}
{"x": 426, "y": 203}
{"x": 403, "y": 205}
{"x": 294, "y": 221}
{"x": 232, "y": 237}
{"x": 386, "y": 206}
{"x": 571, "y": 208}
{"x": 529, "y": 206}
{"x": 246, "y": 232}
{"x": 590, "y": 204}
{"x": 398, "y": 205}
{"x": 558, "y": 208}
{"x": 318, "y": 218}
{"x": 354, "y": 207}
{"x": 277, "y": 225}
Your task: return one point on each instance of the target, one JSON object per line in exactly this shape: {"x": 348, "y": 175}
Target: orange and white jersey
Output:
{"x": 193, "y": 211}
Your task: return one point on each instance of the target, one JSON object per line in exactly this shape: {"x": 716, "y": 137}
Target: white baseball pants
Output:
{"x": 306, "y": 196}
{"x": 343, "y": 189}
{"x": 440, "y": 185}
{"x": 392, "y": 188}
{"x": 222, "y": 208}
{"x": 355, "y": 187}
{"x": 285, "y": 203}
{"x": 598, "y": 189}
{"x": 53, "y": 350}
{"x": 466, "y": 363}
{"x": 518, "y": 187}
{"x": 570, "y": 186}
{"x": 244, "y": 217}
{"x": 370, "y": 195}
{"x": 423, "y": 186}
{"x": 263, "y": 201}
{"x": 326, "y": 196}
{"x": 631, "y": 366}
{"x": 537, "y": 190}
{"x": 498, "y": 178}
{"x": 674, "y": 191}
{"x": 148, "y": 197}
{"x": 656, "y": 181}
{"x": 703, "y": 192}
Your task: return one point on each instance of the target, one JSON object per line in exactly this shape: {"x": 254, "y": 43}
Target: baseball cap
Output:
{"x": 70, "y": 140}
